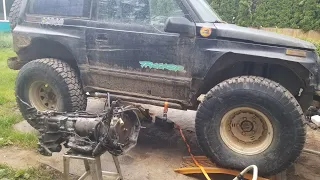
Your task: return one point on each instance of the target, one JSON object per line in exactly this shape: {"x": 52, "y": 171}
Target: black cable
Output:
{"x": 23, "y": 102}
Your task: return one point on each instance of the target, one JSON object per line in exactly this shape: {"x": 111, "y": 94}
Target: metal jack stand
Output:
{"x": 92, "y": 166}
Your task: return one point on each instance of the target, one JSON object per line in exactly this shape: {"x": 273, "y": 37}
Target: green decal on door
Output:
{"x": 162, "y": 66}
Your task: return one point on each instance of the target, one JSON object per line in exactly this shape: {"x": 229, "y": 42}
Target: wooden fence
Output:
{"x": 311, "y": 35}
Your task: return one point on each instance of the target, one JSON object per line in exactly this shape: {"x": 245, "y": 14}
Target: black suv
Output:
{"x": 250, "y": 88}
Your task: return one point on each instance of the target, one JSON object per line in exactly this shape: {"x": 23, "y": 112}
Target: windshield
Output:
{"x": 203, "y": 9}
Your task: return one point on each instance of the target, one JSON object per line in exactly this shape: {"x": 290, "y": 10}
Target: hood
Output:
{"x": 231, "y": 31}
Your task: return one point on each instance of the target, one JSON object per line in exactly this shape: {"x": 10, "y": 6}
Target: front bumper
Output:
{"x": 15, "y": 63}
{"x": 315, "y": 76}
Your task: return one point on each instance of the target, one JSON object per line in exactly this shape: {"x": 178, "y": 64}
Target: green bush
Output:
{"x": 5, "y": 40}
{"x": 317, "y": 44}
{"x": 297, "y": 14}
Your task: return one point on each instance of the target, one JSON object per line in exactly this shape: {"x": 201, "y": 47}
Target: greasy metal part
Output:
{"x": 92, "y": 167}
{"x": 136, "y": 100}
{"x": 116, "y": 130}
{"x": 102, "y": 92}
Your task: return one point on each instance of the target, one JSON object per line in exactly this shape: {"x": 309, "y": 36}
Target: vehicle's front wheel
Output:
{"x": 49, "y": 84}
{"x": 251, "y": 121}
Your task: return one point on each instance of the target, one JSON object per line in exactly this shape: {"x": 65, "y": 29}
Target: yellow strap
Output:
{"x": 194, "y": 159}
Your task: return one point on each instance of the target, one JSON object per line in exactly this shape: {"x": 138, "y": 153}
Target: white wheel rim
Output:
{"x": 246, "y": 131}
{"x": 42, "y": 96}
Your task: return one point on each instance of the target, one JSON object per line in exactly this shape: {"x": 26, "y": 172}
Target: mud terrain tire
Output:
{"x": 226, "y": 118}
{"x": 14, "y": 13}
{"x": 58, "y": 76}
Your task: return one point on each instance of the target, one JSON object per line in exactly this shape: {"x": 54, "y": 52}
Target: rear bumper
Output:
{"x": 15, "y": 63}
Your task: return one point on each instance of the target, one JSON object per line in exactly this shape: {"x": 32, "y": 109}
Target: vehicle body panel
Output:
{"x": 234, "y": 32}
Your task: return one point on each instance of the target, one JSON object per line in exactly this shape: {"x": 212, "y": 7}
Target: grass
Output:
{"x": 5, "y": 40}
{"x": 9, "y": 115}
{"x": 40, "y": 173}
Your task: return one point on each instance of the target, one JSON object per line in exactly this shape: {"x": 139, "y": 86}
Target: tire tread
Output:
{"x": 263, "y": 84}
{"x": 77, "y": 96}
{"x": 14, "y": 13}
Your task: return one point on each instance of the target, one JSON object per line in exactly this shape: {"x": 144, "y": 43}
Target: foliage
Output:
{"x": 317, "y": 44}
{"x": 300, "y": 14}
{"x": 9, "y": 115}
{"x": 244, "y": 17}
{"x": 5, "y": 40}
{"x": 227, "y": 9}
{"x": 40, "y": 173}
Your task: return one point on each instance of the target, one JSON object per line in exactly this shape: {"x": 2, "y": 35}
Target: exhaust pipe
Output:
{"x": 114, "y": 97}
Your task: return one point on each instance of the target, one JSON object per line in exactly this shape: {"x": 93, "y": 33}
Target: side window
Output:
{"x": 126, "y": 11}
{"x": 161, "y": 10}
{"x": 74, "y": 8}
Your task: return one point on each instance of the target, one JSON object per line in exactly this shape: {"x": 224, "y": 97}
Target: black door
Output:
{"x": 129, "y": 52}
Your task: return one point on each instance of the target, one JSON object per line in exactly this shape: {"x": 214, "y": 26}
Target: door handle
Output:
{"x": 102, "y": 37}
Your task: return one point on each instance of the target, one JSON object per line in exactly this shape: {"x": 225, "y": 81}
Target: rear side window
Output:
{"x": 127, "y": 11}
{"x": 74, "y": 8}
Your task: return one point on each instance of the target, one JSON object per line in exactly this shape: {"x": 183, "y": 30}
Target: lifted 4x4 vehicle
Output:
{"x": 257, "y": 84}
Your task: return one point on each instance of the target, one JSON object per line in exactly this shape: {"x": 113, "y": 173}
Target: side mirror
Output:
{"x": 180, "y": 25}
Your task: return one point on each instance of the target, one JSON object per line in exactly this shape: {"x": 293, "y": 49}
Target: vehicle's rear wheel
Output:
{"x": 42, "y": 96}
{"x": 49, "y": 84}
{"x": 251, "y": 120}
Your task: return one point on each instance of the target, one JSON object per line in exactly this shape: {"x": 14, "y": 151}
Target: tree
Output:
{"x": 227, "y": 9}
{"x": 310, "y": 15}
{"x": 244, "y": 17}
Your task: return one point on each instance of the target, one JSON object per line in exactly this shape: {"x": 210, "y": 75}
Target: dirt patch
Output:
{"x": 19, "y": 158}
{"x": 307, "y": 165}
{"x": 313, "y": 139}
{"x": 153, "y": 136}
